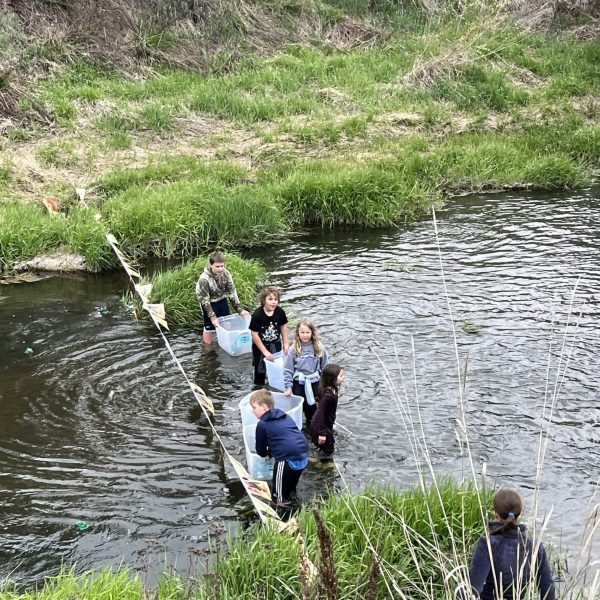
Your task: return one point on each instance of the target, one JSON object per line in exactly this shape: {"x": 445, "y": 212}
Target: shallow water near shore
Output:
{"x": 97, "y": 425}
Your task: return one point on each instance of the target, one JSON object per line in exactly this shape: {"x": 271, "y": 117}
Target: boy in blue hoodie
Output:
{"x": 278, "y": 436}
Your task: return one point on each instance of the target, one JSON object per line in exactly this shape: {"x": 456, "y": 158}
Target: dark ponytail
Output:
{"x": 508, "y": 506}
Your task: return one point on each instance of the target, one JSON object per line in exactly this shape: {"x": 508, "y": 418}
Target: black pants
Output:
{"x": 285, "y": 480}
{"x": 307, "y": 409}
{"x": 258, "y": 360}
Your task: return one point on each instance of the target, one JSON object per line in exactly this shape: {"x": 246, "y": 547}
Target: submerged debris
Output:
{"x": 57, "y": 262}
{"x": 471, "y": 327}
{"x": 398, "y": 265}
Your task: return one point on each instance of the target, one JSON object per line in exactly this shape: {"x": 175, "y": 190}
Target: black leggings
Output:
{"x": 308, "y": 409}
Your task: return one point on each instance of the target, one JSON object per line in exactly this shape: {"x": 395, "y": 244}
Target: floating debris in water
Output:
{"x": 22, "y": 278}
{"x": 470, "y": 327}
{"x": 82, "y": 525}
{"x": 398, "y": 265}
{"x": 101, "y": 311}
{"x": 28, "y": 351}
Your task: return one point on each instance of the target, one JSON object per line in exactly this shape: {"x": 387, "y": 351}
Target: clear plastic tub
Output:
{"x": 275, "y": 371}
{"x": 258, "y": 467}
{"x": 292, "y": 405}
{"x": 234, "y": 336}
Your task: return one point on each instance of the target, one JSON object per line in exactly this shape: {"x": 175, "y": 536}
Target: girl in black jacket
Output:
{"x": 321, "y": 427}
{"x": 507, "y": 561}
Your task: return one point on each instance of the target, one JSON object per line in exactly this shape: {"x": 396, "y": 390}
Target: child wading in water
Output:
{"x": 269, "y": 332}
{"x": 278, "y": 436}
{"x": 213, "y": 287}
{"x": 507, "y": 561}
{"x": 303, "y": 365}
{"x": 321, "y": 427}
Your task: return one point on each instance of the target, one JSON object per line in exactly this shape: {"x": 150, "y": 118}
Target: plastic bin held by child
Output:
{"x": 234, "y": 336}
{"x": 258, "y": 467}
{"x": 275, "y": 371}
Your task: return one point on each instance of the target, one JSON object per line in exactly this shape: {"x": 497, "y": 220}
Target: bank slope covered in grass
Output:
{"x": 354, "y": 112}
{"x": 367, "y": 545}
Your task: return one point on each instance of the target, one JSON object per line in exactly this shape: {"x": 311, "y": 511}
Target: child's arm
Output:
{"x": 324, "y": 358}
{"x": 284, "y": 338}
{"x": 262, "y": 444}
{"x": 288, "y": 371}
{"x": 203, "y": 295}
{"x": 480, "y": 565}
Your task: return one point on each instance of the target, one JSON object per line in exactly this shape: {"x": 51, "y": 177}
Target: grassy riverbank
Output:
{"x": 418, "y": 535}
{"x": 341, "y": 114}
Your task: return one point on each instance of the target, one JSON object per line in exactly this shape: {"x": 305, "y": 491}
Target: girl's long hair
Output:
{"x": 329, "y": 377}
{"x": 314, "y": 337}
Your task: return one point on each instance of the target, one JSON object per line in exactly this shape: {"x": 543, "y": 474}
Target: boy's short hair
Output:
{"x": 267, "y": 291}
{"x": 263, "y": 397}
{"x": 216, "y": 257}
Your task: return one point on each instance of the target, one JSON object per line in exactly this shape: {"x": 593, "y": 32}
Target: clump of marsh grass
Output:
{"x": 329, "y": 193}
{"x": 102, "y": 583}
{"x": 402, "y": 532}
{"x": 176, "y": 289}
{"x": 177, "y": 219}
{"x": 27, "y": 230}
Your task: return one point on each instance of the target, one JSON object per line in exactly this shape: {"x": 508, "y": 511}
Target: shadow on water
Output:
{"x": 97, "y": 425}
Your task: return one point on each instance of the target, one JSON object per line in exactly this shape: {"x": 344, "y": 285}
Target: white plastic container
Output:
{"x": 258, "y": 467}
{"x": 291, "y": 405}
{"x": 233, "y": 335}
{"x": 275, "y": 371}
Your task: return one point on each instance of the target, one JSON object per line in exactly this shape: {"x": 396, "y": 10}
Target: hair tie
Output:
{"x": 511, "y": 515}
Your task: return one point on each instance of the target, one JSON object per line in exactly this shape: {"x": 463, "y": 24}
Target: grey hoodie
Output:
{"x": 306, "y": 362}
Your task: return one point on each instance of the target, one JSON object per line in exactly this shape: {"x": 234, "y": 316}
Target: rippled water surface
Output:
{"x": 97, "y": 425}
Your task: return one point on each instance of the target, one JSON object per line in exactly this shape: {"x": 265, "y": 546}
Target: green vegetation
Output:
{"x": 354, "y": 112}
{"x": 176, "y": 288}
{"x": 180, "y": 218}
{"x": 166, "y": 169}
{"x": 26, "y": 231}
{"x": 419, "y": 536}
{"x": 90, "y": 585}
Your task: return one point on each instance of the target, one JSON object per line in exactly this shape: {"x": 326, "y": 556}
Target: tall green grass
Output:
{"x": 27, "y": 230}
{"x": 415, "y": 532}
{"x": 175, "y": 288}
{"x": 166, "y": 169}
{"x": 106, "y": 583}
{"x": 179, "y": 218}
{"x": 330, "y": 192}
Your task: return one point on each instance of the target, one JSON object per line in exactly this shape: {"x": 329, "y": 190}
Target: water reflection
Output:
{"x": 98, "y": 425}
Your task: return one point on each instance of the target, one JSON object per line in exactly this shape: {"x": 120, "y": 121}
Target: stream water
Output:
{"x": 97, "y": 424}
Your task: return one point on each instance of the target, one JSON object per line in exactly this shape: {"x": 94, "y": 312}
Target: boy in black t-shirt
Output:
{"x": 269, "y": 332}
